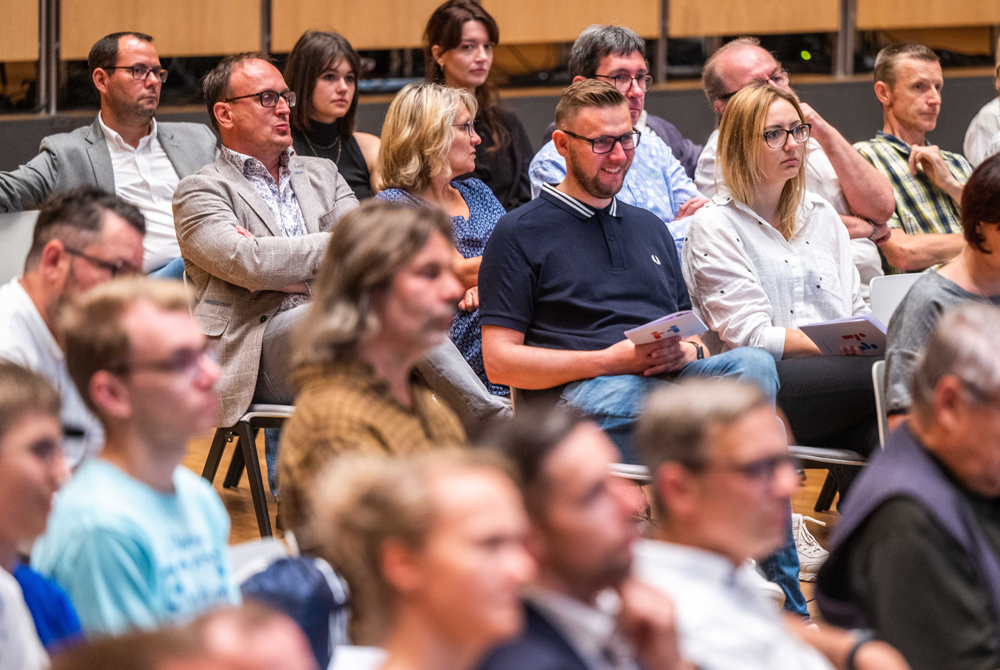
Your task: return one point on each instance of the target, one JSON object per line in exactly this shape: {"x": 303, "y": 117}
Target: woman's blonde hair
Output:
{"x": 741, "y": 149}
{"x": 362, "y": 501}
{"x": 417, "y": 134}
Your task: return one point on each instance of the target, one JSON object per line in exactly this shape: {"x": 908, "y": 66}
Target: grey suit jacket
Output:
{"x": 238, "y": 280}
{"x": 81, "y": 158}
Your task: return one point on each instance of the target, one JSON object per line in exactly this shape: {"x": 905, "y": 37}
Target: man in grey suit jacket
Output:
{"x": 124, "y": 151}
{"x": 253, "y": 228}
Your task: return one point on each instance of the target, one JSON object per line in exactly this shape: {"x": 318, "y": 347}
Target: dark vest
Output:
{"x": 902, "y": 469}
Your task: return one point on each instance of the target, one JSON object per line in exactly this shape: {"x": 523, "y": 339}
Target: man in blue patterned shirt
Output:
{"x": 927, "y": 181}
{"x": 657, "y": 181}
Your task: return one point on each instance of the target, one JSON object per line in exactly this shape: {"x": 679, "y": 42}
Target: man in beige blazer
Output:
{"x": 253, "y": 228}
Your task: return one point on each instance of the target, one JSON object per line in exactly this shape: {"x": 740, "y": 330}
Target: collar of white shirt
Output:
{"x": 724, "y": 198}
{"x": 589, "y": 630}
{"x": 115, "y": 140}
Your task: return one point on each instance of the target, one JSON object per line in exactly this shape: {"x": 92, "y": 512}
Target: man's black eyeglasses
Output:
{"x": 140, "y": 72}
{"x": 779, "y": 79}
{"x": 606, "y": 144}
{"x": 624, "y": 81}
{"x": 268, "y": 98}
{"x": 116, "y": 269}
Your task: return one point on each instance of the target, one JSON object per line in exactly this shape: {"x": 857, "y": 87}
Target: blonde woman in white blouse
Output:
{"x": 765, "y": 257}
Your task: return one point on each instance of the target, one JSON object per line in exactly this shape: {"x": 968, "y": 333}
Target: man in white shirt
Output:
{"x": 124, "y": 151}
{"x": 723, "y": 477}
{"x": 82, "y": 238}
{"x": 584, "y": 522}
{"x": 20, "y": 648}
{"x": 982, "y": 139}
{"x": 862, "y": 195}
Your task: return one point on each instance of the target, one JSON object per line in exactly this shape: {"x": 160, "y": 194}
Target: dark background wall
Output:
{"x": 850, "y": 106}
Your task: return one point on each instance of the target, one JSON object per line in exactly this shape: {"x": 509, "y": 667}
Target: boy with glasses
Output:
{"x": 124, "y": 151}
{"x": 136, "y": 539}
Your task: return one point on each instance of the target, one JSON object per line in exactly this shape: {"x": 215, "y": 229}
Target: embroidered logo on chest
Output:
{"x": 656, "y": 260}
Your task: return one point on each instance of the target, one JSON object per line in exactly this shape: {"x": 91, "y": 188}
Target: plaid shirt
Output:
{"x": 921, "y": 207}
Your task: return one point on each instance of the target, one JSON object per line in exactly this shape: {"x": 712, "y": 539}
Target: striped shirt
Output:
{"x": 921, "y": 207}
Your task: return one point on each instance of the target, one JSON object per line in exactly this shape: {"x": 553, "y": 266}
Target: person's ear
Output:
{"x": 100, "y": 78}
{"x": 950, "y": 400}
{"x": 719, "y": 106}
{"x": 436, "y": 53}
{"x": 54, "y": 262}
{"x": 577, "y": 78}
{"x": 110, "y": 395}
{"x": 561, "y": 142}
{"x": 400, "y": 566}
{"x": 883, "y": 92}
{"x": 677, "y": 490}
{"x": 223, "y": 114}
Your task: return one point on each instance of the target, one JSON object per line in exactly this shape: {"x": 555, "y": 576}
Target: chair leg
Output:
{"x": 826, "y": 496}
{"x": 257, "y": 491}
{"x": 215, "y": 454}
{"x": 235, "y": 471}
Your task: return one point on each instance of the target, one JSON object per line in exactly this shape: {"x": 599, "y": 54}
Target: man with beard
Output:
{"x": 124, "y": 151}
{"x": 564, "y": 276}
{"x": 82, "y": 238}
{"x": 583, "y": 526}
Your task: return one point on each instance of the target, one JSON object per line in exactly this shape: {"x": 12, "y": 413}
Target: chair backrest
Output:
{"x": 887, "y": 292}
{"x": 16, "y": 230}
{"x": 878, "y": 381}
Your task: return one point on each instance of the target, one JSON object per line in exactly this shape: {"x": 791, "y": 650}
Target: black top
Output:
{"x": 571, "y": 277}
{"x": 923, "y": 593}
{"x": 506, "y": 171}
{"x": 540, "y": 646}
{"x": 323, "y": 140}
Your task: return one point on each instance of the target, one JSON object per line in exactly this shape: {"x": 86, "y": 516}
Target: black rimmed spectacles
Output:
{"x": 268, "y": 98}
{"x": 116, "y": 269}
{"x": 779, "y": 136}
{"x": 779, "y": 79}
{"x": 606, "y": 144}
{"x": 623, "y": 82}
{"x": 140, "y": 72}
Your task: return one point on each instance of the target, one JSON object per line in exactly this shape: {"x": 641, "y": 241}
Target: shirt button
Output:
{"x": 263, "y": 318}
{"x": 611, "y": 238}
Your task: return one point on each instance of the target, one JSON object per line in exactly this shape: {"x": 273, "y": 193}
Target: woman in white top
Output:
{"x": 765, "y": 257}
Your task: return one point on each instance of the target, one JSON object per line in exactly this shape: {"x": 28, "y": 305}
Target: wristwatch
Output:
{"x": 701, "y": 350}
{"x": 874, "y": 229}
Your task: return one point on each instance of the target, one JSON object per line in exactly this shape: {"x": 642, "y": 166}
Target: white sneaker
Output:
{"x": 811, "y": 554}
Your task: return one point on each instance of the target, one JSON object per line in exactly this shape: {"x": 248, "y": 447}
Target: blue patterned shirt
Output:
{"x": 279, "y": 198}
{"x": 471, "y": 236}
{"x": 656, "y": 181}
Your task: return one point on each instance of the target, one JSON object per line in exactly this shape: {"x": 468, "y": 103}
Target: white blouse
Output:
{"x": 748, "y": 284}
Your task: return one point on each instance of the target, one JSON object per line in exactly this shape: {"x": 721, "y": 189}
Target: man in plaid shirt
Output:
{"x": 927, "y": 181}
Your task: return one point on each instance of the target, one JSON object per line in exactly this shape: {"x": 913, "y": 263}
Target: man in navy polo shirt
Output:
{"x": 564, "y": 276}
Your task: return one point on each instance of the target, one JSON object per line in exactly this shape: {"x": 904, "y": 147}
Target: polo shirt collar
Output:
{"x": 578, "y": 208}
{"x": 895, "y": 142}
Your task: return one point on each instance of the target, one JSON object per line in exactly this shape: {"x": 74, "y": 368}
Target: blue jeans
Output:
{"x": 615, "y": 403}
{"x": 172, "y": 270}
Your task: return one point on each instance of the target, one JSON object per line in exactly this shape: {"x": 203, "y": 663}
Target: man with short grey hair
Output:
{"x": 860, "y": 193}
{"x": 658, "y": 181}
{"x": 916, "y": 553}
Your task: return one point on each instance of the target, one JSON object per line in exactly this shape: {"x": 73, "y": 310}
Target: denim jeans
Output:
{"x": 172, "y": 270}
{"x": 615, "y": 403}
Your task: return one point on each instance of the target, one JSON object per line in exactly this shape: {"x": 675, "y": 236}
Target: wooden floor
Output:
{"x": 244, "y": 521}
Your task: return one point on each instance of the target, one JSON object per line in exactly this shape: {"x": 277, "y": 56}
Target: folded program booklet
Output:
{"x": 866, "y": 333}
{"x": 679, "y": 324}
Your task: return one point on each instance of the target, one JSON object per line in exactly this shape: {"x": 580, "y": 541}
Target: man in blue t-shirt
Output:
{"x": 135, "y": 539}
{"x": 564, "y": 276}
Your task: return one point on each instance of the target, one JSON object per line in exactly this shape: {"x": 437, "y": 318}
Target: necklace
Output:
{"x": 336, "y": 143}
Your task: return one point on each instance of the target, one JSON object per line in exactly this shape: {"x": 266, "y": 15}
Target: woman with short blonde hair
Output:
{"x": 428, "y": 140}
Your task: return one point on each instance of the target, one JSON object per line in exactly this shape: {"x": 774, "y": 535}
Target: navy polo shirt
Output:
{"x": 572, "y": 277}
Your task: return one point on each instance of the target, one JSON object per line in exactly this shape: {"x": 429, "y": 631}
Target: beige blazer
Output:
{"x": 237, "y": 280}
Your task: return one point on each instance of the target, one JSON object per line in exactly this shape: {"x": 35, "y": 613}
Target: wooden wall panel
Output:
{"x": 698, "y": 18}
{"x": 18, "y": 30}
{"x": 886, "y": 14}
{"x": 538, "y": 21}
{"x": 178, "y": 27}
{"x": 377, "y": 24}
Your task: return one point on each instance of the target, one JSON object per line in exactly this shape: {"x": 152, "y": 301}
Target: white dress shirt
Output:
{"x": 723, "y": 621}
{"x": 821, "y": 179}
{"x": 591, "y": 631}
{"x": 748, "y": 283}
{"x": 982, "y": 131}
{"x": 27, "y": 341}
{"x": 146, "y": 178}
{"x": 20, "y": 648}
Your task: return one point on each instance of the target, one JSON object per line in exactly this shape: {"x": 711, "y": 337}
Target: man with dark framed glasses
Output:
{"x": 834, "y": 170}
{"x": 82, "y": 238}
{"x": 722, "y": 478}
{"x": 254, "y": 227}
{"x": 124, "y": 151}
{"x": 661, "y": 182}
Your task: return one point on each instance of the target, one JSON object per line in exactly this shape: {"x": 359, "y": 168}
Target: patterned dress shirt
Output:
{"x": 921, "y": 207}
{"x": 656, "y": 181}
{"x": 279, "y": 198}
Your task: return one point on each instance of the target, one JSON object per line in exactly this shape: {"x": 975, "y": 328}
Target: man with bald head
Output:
{"x": 253, "y": 228}
{"x": 861, "y": 194}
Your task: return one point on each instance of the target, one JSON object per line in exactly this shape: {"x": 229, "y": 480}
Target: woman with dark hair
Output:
{"x": 974, "y": 276}
{"x": 323, "y": 71}
{"x": 458, "y": 51}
